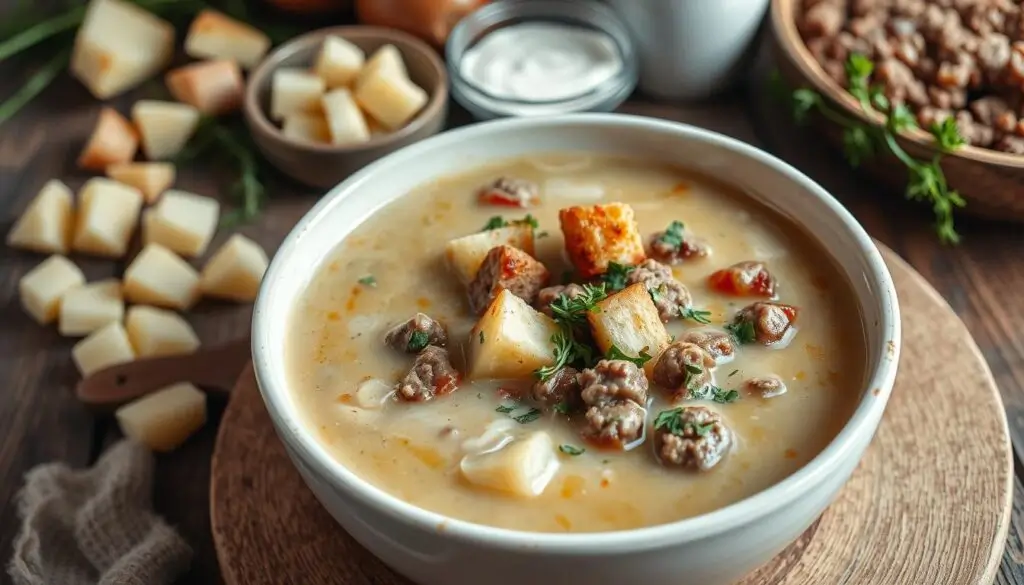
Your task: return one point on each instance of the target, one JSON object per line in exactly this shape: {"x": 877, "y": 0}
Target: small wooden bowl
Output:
{"x": 992, "y": 182}
{"x": 326, "y": 165}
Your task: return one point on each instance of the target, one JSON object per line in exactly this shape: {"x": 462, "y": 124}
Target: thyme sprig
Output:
{"x": 926, "y": 181}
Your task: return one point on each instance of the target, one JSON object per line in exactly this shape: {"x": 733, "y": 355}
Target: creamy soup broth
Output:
{"x": 412, "y": 450}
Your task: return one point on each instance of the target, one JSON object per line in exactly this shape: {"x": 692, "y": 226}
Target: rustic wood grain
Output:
{"x": 923, "y": 507}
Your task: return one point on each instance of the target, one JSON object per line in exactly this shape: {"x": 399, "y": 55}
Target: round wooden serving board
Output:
{"x": 929, "y": 504}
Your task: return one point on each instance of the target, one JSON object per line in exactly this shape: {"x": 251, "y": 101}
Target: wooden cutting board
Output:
{"x": 929, "y": 504}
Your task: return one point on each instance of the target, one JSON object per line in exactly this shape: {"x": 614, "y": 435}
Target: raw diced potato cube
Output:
{"x": 105, "y": 347}
{"x": 598, "y": 234}
{"x": 339, "y": 62}
{"x": 391, "y": 99}
{"x": 344, "y": 119}
{"x": 159, "y": 277}
{"x": 107, "y": 214}
{"x": 113, "y": 140}
{"x": 87, "y": 308}
{"x": 182, "y": 222}
{"x": 294, "y": 90}
{"x": 629, "y": 320}
{"x": 213, "y": 87}
{"x": 465, "y": 254}
{"x": 307, "y": 128}
{"x": 150, "y": 178}
{"x": 164, "y": 419}
{"x": 385, "y": 60}
{"x": 165, "y": 127}
{"x": 522, "y": 468}
{"x": 46, "y": 224}
{"x": 510, "y": 340}
{"x": 216, "y": 36}
{"x": 42, "y": 287}
{"x": 118, "y": 46}
{"x": 235, "y": 270}
{"x": 157, "y": 332}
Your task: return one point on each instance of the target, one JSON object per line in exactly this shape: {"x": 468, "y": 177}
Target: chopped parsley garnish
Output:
{"x": 481, "y": 338}
{"x": 742, "y": 330}
{"x": 417, "y": 341}
{"x": 527, "y": 417}
{"x": 673, "y": 235}
{"x": 498, "y": 221}
{"x": 543, "y": 234}
{"x": 573, "y": 311}
{"x": 695, "y": 315}
{"x": 368, "y": 280}
{"x": 655, "y": 295}
{"x": 571, "y": 450}
{"x": 672, "y": 421}
{"x": 506, "y": 408}
{"x": 733, "y": 373}
{"x": 562, "y": 408}
{"x": 693, "y": 371}
{"x": 723, "y": 396}
{"x": 614, "y": 353}
{"x": 569, "y": 313}
{"x": 617, "y": 275}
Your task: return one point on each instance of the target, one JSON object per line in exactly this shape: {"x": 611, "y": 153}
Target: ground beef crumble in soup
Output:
{"x": 682, "y": 348}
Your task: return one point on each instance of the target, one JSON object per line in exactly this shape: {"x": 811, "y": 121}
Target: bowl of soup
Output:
{"x": 596, "y": 347}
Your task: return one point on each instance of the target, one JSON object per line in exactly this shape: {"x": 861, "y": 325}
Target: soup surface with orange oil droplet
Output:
{"x": 394, "y": 266}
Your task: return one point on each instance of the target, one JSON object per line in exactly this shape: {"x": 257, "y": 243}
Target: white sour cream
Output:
{"x": 541, "y": 62}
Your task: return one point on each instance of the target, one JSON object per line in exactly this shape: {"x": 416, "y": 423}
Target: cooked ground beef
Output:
{"x": 506, "y": 267}
{"x": 718, "y": 344}
{"x": 546, "y": 296}
{"x": 511, "y": 192}
{"x": 561, "y": 390}
{"x": 768, "y": 322}
{"x": 615, "y": 424}
{"x": 416, "y": 334}
{"x": 431, "y": 375}
{"x": 683, "y": 367}
{"x": 669, "y": 295}
{"x": 611, "y": 381}
{"x": 693, "y": 437}
{"x": 962, "y": 58}
{"x": 744, "y": 279}
{"x": 765, "y": 386}
{"x": 691, "y": 248}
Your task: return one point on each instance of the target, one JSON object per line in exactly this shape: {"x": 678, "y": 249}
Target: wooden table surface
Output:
{"x": 983, "y": 280}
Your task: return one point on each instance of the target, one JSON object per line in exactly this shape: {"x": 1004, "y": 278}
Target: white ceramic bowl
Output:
{"x": 714, "y": 549}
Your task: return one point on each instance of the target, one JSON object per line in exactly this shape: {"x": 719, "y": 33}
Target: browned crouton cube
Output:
{"x": 598, "y": 234}
{"x": 510, "y": 268}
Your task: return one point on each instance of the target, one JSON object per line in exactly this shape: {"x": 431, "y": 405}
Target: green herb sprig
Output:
{"x": 569, "y": 314}
{"x": 614, "y": 353}
{"x": 672, "y": 421}
{"x": 497, "y": 221}
{"x": 673, "y": 235}
{"x": 926, "y": 181}
{"x": 616, "y": 276}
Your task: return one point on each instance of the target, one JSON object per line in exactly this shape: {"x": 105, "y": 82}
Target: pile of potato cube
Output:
{"x": 345, "y": 98}
{"x": 118, "y": 46}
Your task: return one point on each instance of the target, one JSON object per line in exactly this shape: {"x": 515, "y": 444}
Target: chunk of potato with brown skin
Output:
{"x": 506, "y": 268}
{"x": 152, "y": 179}
{"x": 466, "y": 254}
{"x": 511, "y": 340}
{"x": 213, "y": 35}
{"x": 598, "y": 234}
{"x": 47, "y": 223}
{"x": 213, "y": 87}
{"x": 629, "y": 320}
{"x": 113, "y": 140}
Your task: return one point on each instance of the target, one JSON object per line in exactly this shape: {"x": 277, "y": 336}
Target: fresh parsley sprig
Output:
{"x": 614, "y": 353}
{"x": 673, "y": 235}
{"x": 926, "y": 181}
{"x": 569, "y": 313}
{"x": 672, "y": 421}
{"x": 616, "y": 276}
{"x": 742, "y": 330}
{"x": 497, "y": 221}
{"x": 573, "y": 311}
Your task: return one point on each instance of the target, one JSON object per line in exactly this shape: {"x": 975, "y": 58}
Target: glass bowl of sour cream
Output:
{"x": 540, "y": 57}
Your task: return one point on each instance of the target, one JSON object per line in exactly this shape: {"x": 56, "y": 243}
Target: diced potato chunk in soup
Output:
{"x": 723, "y": 385}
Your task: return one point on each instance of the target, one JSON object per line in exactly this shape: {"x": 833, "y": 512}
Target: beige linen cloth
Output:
{"x": 95, "y": 526}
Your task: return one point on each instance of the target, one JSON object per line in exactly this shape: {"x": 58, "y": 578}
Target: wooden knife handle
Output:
{"x": 216, "y": 369}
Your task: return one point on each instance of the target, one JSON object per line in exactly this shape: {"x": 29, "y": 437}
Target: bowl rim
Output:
{"x": 792, "y": 44}
{"x": 303, "y": 445}
{"x": 261, "y": 122}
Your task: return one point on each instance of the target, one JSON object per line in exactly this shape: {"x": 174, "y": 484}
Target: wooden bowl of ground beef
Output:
{"x": 923, "y": 72}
